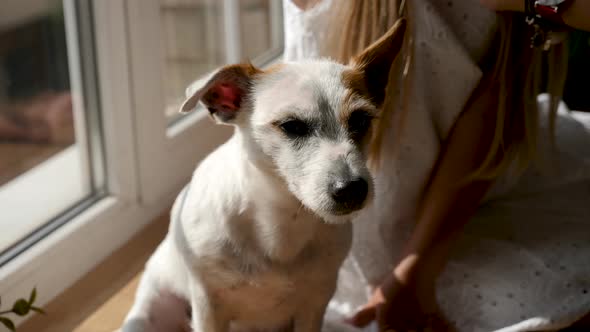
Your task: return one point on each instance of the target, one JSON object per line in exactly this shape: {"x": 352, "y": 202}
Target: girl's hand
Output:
{"x": 401, "y": 308}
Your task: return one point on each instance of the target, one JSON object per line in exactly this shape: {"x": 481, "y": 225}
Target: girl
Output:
{"x": 458, "y": 141}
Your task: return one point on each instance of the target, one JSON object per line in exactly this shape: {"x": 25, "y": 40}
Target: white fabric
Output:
{"x": 523, "y": 262}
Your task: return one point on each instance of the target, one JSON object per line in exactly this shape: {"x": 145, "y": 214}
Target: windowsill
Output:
{"x": 63, "y": 184}
{"x": 102, "y": 298}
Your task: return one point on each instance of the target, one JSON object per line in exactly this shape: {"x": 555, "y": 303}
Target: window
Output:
{"x": 201, "y": 35}
{"x": 174, "y": 43}
{"x": 48, "y": 163}
{"x": 91, "y": 145}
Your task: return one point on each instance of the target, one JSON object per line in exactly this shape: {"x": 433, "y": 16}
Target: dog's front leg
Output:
{"x": 206, "y": 317}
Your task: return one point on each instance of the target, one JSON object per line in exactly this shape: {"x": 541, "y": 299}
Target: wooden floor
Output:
{"x": 100, "y": 300}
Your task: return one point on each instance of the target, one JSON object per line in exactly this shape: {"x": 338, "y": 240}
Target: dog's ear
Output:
{"x": 224, "y": 93}
{"x": 375, "y": 61}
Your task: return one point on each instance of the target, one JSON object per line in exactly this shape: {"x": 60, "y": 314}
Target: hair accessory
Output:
{"x": 551, "y": 10}
{"x": 544, "y": 17}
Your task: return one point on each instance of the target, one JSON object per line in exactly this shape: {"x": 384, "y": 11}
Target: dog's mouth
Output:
{"x": 344, "y": 212}
{"x": 334, "y": 214}
{"x": 347, "y": 211}
{"x": 340, "y": 218}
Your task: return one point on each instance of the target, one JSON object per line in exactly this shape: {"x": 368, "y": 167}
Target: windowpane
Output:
{"x": 35, "y": 103}
{"x": 201, "y": 35}
{"x": 192, "y": 44}
{"x": 255, "y": 27}
{"x": 44, "y": 168}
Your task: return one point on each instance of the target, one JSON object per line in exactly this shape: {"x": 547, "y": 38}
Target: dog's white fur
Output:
{"x": 256, "y": 240}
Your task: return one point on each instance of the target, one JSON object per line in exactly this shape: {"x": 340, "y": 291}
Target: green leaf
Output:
{"x": 21, "y": 307}
{"x": 8, "y": 323}
{"x": 33, "y": 295}
{"x": 38, "y": 310}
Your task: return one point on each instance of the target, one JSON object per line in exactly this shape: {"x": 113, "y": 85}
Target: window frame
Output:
{"x": 91, "y": 232}
{"x": 168, "y": 152}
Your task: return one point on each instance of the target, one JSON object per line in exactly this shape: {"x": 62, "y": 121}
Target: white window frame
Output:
{"x": 146, "y": 161}
{"x": 168, "y": 154}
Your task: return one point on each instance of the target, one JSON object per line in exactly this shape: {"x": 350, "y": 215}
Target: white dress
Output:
{"x": 523, "y": 262}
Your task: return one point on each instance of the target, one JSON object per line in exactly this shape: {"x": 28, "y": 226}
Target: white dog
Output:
{"x": 258, "y": 235}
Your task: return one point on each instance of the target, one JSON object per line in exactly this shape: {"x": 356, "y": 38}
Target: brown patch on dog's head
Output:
{"x": 274, "y": 68}
{"x": 225, "y": 92}
{"x": 354, "y": 81}
{"x": 356, "y": 100}
{"x": 369, "y": 74}
{"x": 368, "y": 77}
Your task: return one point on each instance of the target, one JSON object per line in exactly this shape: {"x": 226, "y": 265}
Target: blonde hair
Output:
{"x": 512, "y": 65}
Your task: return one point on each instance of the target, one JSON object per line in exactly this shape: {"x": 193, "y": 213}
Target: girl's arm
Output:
{"x": 449, "y": 201}
{"x": 446, "y": 207}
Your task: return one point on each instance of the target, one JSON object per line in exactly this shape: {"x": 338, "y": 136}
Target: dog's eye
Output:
{"x": 359, "y": 123}
{"x": 295, "y": 128}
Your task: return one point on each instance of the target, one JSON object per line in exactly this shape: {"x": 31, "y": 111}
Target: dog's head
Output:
{"x": 310, "y": 121}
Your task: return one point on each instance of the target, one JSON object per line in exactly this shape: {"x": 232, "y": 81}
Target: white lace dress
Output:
{"x": 523, "y": 262}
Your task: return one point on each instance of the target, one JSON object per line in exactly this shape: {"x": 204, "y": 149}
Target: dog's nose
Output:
{"x": 349, "y": 194}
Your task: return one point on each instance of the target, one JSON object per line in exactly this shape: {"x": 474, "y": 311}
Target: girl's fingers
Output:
{"x": 363, "y": 317}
